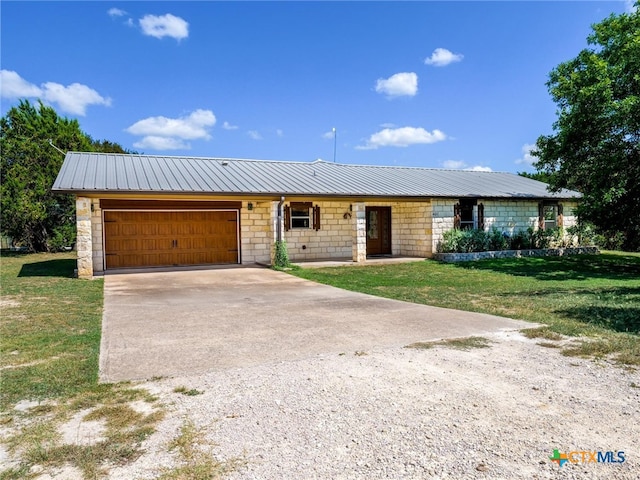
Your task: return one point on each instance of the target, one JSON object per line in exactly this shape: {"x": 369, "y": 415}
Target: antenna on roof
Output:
{"x": 335, "y": 136}
{"x": 51, "y": 143}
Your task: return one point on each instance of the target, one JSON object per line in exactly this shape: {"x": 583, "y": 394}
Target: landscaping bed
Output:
{"x": 538, "y": 252}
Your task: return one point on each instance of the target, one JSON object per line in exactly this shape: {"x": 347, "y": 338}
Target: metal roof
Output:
{"x": 84, "y": 172}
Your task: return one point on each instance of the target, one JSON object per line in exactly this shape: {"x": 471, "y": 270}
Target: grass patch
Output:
{"x": 466, "y": 343}
{"x": 50, "y": 329}
{"x": 196, "y": 458}
{"x": 594, "y": 296}
{"x": 542, "y": 332}
{"x": 191, "y": 392}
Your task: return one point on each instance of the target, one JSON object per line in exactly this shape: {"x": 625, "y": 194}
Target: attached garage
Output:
{"x": 156, "y": 234}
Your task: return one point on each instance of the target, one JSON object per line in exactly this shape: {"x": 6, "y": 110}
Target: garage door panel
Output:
{"x": 160, "y": 238}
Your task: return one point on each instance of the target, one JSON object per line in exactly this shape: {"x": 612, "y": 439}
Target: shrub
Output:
{"x": 497, "y": 240}
{"x": 520, "y": 241}
{"x": 281, "y": 259}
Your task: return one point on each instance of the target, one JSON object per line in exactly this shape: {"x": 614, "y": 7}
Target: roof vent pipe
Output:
{"x": 279, "y": 226}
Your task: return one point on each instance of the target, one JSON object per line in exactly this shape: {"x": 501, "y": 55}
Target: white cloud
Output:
{"x": 279, "y": 132}
{"x": 400, "y": 84}
{"x": 402, "y": 137}
{"x": 388, "y": 125}
{"x": 164, "y": 26}
{"x": 629, "y": 6}
{"x": 162, "y": 133}
{"x": 14, "y": 86}
{"x": 74, "y": 98}
{"x": 228, "y": 126}
{"x": 462, "y": 165}
{"x": 116, "y": 12}
{"x": 527, "y": 158}
{"x": 194, "y": 126}
{"x": 254, "y": 135}
{"x": 153, "y": 142}
{"x": 442, "y": 57}
{"x": 454, "y": 164}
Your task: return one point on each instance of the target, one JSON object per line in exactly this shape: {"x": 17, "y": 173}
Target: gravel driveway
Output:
{"x": 491, "y": 413}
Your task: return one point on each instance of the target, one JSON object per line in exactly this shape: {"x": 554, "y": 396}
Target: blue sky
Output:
{"x": 429, "y": 84}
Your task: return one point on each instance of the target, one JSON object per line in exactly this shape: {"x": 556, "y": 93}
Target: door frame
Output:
{"x": 167, "y": 210}
{"x": 368, "y": 208}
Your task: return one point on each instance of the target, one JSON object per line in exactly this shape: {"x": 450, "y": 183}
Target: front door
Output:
{"x": 378, "y": 230}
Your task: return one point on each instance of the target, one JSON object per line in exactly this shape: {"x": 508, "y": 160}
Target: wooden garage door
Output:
{"x": 152, "y": 239}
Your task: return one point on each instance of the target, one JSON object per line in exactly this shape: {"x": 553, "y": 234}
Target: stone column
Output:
{"x": 359, "y": 233}
{"x": 84, "y": 245}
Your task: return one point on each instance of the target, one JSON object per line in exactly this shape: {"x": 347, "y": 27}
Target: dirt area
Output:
{"x": 496, "y": 413}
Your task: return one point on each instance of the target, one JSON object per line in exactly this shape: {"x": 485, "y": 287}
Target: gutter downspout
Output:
{"x": 279, "y": 227}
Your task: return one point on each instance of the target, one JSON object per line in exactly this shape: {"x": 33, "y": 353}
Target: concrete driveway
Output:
{"x": 188, "y": 322}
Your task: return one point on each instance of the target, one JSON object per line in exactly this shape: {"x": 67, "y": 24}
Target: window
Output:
{"x": 549, "y": 215}
{"x": 300, "y": 215}
{"x": 468, "y": 214}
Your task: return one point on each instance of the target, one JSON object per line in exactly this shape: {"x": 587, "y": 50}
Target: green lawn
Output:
{"x": 50, "y": 345}
{"x": 595, "y": 296}
{"x": 50, "y": 327}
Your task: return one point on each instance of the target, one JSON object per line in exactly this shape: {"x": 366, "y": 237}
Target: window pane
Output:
{"x": 300, "y": 222}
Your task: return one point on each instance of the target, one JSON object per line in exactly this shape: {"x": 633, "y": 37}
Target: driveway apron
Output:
{"x": 189, "y": 322}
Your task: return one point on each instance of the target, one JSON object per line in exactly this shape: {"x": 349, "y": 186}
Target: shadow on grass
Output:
{"x": 619, "y": 319}
{"x": 577, "y": 267}
{"x": 63, "y": 267}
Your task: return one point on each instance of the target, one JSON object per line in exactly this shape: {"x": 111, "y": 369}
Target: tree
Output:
{"x": 539, "y": 176}
{"x": 596, "y": 145}
{"x": 31, "y": 214}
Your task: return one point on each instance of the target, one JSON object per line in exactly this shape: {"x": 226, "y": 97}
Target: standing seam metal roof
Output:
{"x": 84, "y": 172}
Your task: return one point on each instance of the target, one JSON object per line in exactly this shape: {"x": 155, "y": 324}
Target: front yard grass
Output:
{"x": 49, "y": 348}
{"x": 595, "y": 297}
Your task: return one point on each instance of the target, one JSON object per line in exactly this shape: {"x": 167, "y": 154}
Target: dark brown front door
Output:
{"x": 152, "y": 239}
{"x": 378, "y": 230}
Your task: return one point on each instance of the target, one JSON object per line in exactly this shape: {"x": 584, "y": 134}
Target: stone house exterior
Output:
{"x": 137, "y": 211}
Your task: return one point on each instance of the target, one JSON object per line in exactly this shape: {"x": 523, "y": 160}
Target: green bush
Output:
{"x": 281, "y": 259}
{"x": 468, "y": 241}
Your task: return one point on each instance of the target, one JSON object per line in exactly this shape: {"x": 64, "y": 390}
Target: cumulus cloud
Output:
{"x": 228, "y": 126}
{"x": 454, "y": 164}
{"x": 400, "y": 84}
{"x": 402, "y": 137}
{"x": 164, "y": 26}
{"x": 527, "y": 158}
{"x": 442, "y": 57}
{"x": 116, "y": 12}
{"x": 629, "y": 6}
{"x": 462, "y": 165}
{"x": 254, "y": 135}
{"x": 153, "y": 142}
{"x": 14, "y": 86}
{"x": 74, "y": 98}
{"x": 162, "y": 133}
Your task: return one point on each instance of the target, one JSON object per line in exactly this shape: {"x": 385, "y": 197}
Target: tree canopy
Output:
{"x": 31, "y": 213}
{"x": 595, "y": 148}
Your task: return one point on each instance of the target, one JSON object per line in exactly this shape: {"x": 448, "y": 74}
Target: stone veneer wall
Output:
{"x": 333, "y": 240}
{"x": 84, "y": 247}
{"x": 96, "y": 236}
{"x": 257, "y": 231}
{"x": 506, "y": 215}
{"x": 543, "y": 252}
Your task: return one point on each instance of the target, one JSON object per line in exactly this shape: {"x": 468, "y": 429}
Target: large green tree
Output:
{"x": 595, "y": 148}
{"x": 31, "y": 213}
